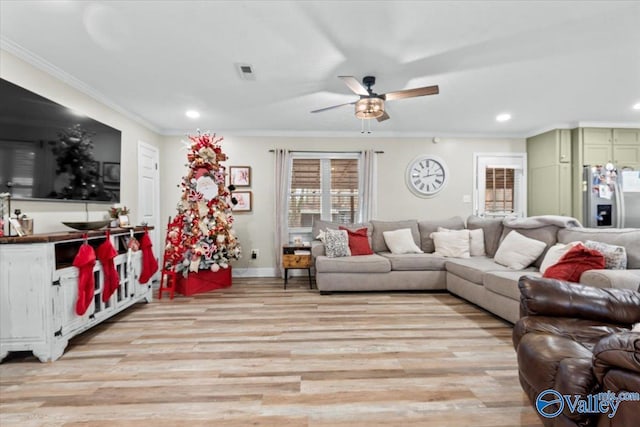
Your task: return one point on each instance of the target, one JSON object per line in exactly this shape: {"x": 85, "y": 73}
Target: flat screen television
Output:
{"x": 51, "y": 152}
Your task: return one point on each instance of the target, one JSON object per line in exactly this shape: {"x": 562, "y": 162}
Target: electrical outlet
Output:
{"x": 255, "y": 253}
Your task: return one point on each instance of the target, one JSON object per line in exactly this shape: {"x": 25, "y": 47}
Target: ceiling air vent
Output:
{"x": 246, "y": 71}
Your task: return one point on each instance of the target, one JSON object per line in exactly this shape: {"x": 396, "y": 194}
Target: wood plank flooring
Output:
{"x": 256, "y": 355}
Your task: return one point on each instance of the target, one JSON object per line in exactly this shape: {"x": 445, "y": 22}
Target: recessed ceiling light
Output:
{"x": 637, "y": 106}
{"x": 192, "y": 114}
{"x": 503, "y": 117}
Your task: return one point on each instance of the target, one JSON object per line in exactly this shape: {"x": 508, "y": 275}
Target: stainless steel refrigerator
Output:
{"x": 611, "y": 197}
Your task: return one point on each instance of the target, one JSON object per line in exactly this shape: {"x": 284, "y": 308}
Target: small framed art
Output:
{"x": 245, "y": 201}
{"x": 111, "y": 173}
{"x": 240, "y": 176}
{"x": 123, "y": 221}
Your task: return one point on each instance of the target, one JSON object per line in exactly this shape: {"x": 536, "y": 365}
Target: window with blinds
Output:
{"x": 323, "y": 188}
{"x": 305, "y": 195}
{"x": 17, "y": 165}
{"x": 499, "y": 190}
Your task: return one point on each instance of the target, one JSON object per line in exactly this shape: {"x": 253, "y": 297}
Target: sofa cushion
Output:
{"x": 451, "y": 243}
{"x": 377, "y": 238}
{"x": 492, "y": 228}
{"x": 547, "y": 234}
{"x": 629, "y": 238}
{"x": 472, "y": 269}
{"x": 358, "y": 241}
{"x": 336, "y": 243}
{"x": 615, "y": 257}
{"x": 621, "y": 279}
{"x": 554, "y": 253}
{"x": 518, "y": 251}
{"x": 505, "y": 283}
{"x": 401, "y": 242}
{"x": 575, "y": 262}
{"x": 358, "y": 264}
{"x": 319, "y": 224}
{"x": 426, "y": 227}
{"x": 415, "y": 262}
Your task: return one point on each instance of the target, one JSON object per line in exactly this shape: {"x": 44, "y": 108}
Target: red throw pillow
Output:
{"x": 575, "y": 262}
{"x": 358, "y": 241}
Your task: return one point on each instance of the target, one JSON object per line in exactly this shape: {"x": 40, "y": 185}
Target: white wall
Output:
{"x": 395, "y": 201}
{"x": 255, "y": 229}
{"x": 48, "y": 215}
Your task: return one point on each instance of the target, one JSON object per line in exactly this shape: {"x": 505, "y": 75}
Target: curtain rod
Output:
{"x": 320, "y": 151}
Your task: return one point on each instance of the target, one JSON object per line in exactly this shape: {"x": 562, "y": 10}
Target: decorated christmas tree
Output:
{"x": 201, "y": 235}
{"x": 74, "y": 155}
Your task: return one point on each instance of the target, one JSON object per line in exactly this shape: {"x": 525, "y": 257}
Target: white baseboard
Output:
{"x": 256, "y": 272}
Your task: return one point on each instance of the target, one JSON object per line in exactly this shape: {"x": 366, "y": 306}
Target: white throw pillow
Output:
{"x": 476, "y": 241}
{"x": 554, "y": 254}
{"x": 452, "y": 243}
{"x": 518, "y": 252}
{"x": 401, "y": 242}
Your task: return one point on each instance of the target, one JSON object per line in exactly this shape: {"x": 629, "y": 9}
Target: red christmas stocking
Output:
{"x": 106, "y": 253}
{"x": 84, "y": 261}
{"x": 149, "y": 261}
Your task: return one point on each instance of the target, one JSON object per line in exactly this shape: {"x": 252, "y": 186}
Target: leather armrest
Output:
{"x": 621, "y": 351}
{"x": 557, "y": 298}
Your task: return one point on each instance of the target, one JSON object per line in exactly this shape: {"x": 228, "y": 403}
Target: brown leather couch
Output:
{"x": 576, "y": 340}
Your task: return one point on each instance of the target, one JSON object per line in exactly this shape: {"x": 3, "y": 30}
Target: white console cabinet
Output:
{"x": 39, "y": 289}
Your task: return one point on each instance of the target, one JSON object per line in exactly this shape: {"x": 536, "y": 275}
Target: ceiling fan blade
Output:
{"x": 354, "y": 85}
{"x": 410, "y": 93}
{"x": 383, "y": 117}
{"x": 332, "y": 107}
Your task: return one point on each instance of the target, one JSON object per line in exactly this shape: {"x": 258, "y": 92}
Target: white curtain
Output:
{"x": 282, "y": 162}
{"x": 369, "y": 204}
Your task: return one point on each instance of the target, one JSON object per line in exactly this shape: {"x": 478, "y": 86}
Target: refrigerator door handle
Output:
{"x": 619, "y": 206}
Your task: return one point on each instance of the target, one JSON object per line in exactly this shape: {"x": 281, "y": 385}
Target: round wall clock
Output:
{"x": 427, "y": 175}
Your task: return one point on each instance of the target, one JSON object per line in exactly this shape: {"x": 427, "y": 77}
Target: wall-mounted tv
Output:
{"x": 50, "y": 152}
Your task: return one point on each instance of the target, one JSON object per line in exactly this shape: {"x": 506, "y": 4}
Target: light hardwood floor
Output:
{"x": 256, "y": 355}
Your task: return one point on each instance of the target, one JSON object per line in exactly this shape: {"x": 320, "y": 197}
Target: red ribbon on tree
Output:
{"x": 106, "y": 253}
{"x": 84, "y": 262}
{"x": 149, "y": 261}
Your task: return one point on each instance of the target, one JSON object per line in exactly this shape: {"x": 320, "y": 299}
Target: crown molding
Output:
{"x": 621, "y": 125}
{"x": 343, "y": 134}
{"x": 44, "y": 65}
{"x": 573, "y": 125}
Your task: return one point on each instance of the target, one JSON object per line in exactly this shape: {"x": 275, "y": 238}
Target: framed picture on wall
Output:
{"x": 240, "y": 176}
{"x": 111, "y": 173}
{"x": 245, "y": 201}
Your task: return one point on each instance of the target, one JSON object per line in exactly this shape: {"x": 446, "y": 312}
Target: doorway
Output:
{"x": 149, "y": 193}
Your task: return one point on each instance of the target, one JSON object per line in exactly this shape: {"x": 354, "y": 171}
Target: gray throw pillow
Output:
{"x": 336, "y": 243}
{"x": 615, "y": 257}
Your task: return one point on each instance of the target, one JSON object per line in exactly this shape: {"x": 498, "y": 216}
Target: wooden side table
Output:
{"x": 296, "y": 257}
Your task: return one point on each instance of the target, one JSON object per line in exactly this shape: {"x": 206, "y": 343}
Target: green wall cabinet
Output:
{"x": 549, "y": 164}
{"x": 555, "y": 159}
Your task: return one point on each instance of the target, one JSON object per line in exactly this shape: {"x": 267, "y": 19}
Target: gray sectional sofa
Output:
{"x": 478, "y": 279}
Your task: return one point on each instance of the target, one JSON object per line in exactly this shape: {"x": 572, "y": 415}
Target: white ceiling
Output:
{"x": 548, "y": 63}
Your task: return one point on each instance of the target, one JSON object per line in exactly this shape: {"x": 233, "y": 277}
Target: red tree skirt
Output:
{"x": 204, "y": 281}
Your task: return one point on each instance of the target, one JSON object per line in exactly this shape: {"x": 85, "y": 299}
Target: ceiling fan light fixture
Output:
{"x": 369, "y": 108}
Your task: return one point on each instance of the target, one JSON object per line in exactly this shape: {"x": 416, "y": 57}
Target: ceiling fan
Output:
{"x": 371, "y": 105}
